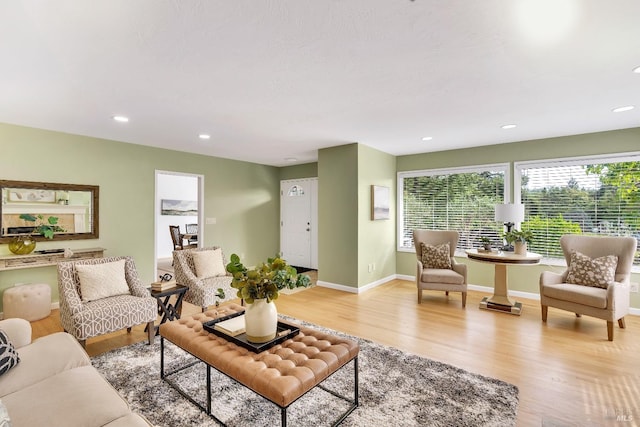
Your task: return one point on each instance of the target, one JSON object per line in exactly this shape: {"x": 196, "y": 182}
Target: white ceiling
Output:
{"x": 275, "y": 79}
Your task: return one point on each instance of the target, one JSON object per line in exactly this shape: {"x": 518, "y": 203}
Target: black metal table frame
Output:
{"x": 169, "y": 311}
{"x": 283, "y": 409}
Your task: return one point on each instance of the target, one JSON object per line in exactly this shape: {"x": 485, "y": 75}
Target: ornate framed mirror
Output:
{"x": 75, "y": 207}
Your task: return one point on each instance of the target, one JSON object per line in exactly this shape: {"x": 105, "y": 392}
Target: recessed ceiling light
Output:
{"x": 625, "y": 108}
{"x": 637, "y": 70}
{"x": 427, "y": 138}
{"x": 204, "y": 136}
{"x": 508, "y": 126}
{"x": 121, "y": 119}
{"x": 291, "y": 159}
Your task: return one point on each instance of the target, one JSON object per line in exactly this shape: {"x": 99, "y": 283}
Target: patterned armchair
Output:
{"x": 203, "y": 291}
{"x": 596, "y": 281}
{"x": 436, "y": 268}
{"x": 109, "y": 314}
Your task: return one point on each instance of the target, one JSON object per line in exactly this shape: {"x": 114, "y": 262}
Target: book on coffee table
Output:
{"x": 232, "y": 327}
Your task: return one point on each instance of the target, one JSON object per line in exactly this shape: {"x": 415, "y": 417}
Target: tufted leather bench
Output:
{"x": 280, "y": 374}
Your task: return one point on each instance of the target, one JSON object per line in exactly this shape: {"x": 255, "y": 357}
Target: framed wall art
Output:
{"x": 178, "y": 207}
{"x": 31, "y": 195}
{"x": 380, "y": 196}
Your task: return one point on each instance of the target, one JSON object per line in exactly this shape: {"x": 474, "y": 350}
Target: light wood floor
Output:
{"x": 567, "y": 372}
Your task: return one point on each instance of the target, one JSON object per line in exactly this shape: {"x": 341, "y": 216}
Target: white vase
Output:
{"x": 520, "y": 248}
{"x": 261, "y": 321}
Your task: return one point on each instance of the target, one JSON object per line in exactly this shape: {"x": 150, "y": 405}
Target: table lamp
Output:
{"x": 509, "y": 214}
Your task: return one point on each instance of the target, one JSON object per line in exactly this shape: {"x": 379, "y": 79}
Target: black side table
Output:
{"x": 169, "y": 311}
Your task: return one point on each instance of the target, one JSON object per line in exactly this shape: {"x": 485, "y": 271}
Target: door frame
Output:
{"x": 313, "y": 187}
{"x": 157, "y": 207}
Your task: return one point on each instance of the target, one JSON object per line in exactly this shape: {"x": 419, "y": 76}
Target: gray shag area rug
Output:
{"x": 396, "y": 389}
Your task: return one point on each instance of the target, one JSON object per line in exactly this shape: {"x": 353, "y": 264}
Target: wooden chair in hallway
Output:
{"x": 178, "y": 241}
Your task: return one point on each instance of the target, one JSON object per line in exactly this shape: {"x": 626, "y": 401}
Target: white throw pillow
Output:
{"x": 209, "y": 263}
{"x": 102, "y": 280}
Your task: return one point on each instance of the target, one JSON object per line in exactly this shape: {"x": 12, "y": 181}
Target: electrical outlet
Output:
{"x": 373, "y": 266}
{"x": 210, "y": 221}
{"x": 634, "y": 288}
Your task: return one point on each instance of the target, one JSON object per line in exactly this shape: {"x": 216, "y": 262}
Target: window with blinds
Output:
{"x": 451, "y": 199}
{"x": 592, "y": 195}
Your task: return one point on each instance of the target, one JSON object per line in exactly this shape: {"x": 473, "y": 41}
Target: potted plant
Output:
{"x": 520, "y": 239}
{"x": 258, "y": 287}
{"x": 25, "y": 243}
{"x": 486, "y": 243}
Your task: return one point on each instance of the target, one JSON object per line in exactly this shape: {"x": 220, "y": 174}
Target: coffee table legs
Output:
{"x": 283, "y": 410}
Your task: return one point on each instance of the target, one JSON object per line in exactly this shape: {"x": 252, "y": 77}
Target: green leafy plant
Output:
{"x": 486, "y": 242}
{"x": 521, "y": 236}
{"x": 44, "y": 227}
{"x": 265, "y": 280}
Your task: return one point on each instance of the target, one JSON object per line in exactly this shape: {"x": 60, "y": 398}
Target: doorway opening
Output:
{"x": 178, "y": 202}
{"x": 299, "y": 223}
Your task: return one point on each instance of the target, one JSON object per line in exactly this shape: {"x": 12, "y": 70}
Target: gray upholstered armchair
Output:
{"x": 203, "y": 285}
{"x": 436, "y": 267}
{"x": 594, "y": 283}
{"x": 85, "y": 317}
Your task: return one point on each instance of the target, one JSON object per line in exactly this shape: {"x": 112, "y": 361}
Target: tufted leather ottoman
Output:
{"x": 280, "y": 374}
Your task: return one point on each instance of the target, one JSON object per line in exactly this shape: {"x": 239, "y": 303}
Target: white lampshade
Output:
{"x": 510, "y": 212}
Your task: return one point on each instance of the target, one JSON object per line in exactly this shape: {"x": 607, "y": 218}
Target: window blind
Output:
{"x": 452, "y": 200}
{"x": 596, "y": 196}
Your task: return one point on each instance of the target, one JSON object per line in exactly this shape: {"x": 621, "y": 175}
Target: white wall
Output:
{"x": 174, "y": 187}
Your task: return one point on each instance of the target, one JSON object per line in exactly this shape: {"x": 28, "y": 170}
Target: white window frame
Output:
{"x": 503, "y": 167}
{"x": 567, "y": 161}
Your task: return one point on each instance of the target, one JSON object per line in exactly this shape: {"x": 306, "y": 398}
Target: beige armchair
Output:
{"x": 85, "y": 318}
{"x": 203, "y": 285}
{"x": 442, "y": 273}
{"x": 608, "y": 300}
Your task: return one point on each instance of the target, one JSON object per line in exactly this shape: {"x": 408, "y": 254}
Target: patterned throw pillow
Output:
{"x": 598, "y": 272}
{"x": 436, "y": 256}
{"x": 8, "y": 354}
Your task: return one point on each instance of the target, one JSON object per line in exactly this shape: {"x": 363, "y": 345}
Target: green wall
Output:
{"x": 243, "y": 197}
{"x": 520, "y": 278}
{"x": 306, "y": 170}
{"x": 376, "y": 239}
{"x": 338, "y": 215}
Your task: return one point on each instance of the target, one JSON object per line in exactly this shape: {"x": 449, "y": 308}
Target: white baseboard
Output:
{"x": 357, "y": 290}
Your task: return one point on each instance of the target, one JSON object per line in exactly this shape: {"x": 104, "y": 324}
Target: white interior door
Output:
{"x": 298, "y": 241}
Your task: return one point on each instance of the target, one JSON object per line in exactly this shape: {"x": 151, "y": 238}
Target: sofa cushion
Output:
{"x": 586, "y": 295}
{"x": 209, "y": 263}
{"x": 99, "y": 281}
{"x": 436, "y": 256}
{"x": 598, "y": 272}
{"x": 8, "y": 354}
{"x": 43, "y": 358}
{"x": 78, "y": 397}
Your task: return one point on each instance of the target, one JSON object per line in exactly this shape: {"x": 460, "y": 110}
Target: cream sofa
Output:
{"x": 55, "y": 385}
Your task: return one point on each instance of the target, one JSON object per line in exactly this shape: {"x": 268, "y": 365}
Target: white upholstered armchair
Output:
{"x": 103, "y": 295}
{"x": 436, "y": 267}
{"x": 596, "y": 281}
{"x": 203, "y": 271}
